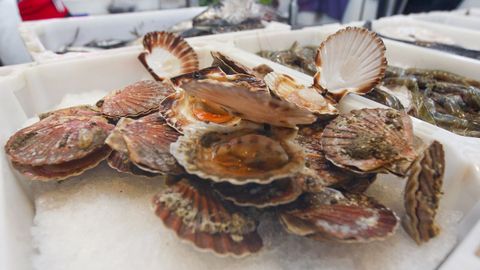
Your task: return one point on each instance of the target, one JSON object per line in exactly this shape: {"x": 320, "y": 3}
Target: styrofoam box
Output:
{"x": 29, "y": 90}
{"x": 449, "y": 18}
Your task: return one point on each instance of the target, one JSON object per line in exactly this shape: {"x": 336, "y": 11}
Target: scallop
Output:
{"x": 167, "y": 55}
{"x": 422, "y": 194}
{"x": 120, "y": 162}
{"x": 81, "y": 110}
{"x": 146, "y": 141}
{"x": 370, "y": 140}
{"x": 134, "y": 100}
{"x": 331, "y": 215}
{"x": 228, "y": 65}
{"x": 247, "y": 153}
{"x": 350, "y": 61}
{"x": 194, "y": 212}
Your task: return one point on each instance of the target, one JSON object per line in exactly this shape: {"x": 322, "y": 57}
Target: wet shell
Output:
{"x": 350, "y": 61}
{"x": 228, "y": 65}
{"x": 422, "y": 194}
{"x": 197, "y": 216}
{"x": 147, "y": 142}
{"x": 120, "y": 162}
{"x": 167, "y": 55}
{"x": 248, "y": 98}
{"x": 135, "y": 100}
{"x": 260, "y": 196}
{"x": 286, "y": 88}
{"x": 331, "y": 215}
{"x": 58, "y": 139}
{"x": 181, "y": 110}
{"x": 82, "y": 110}
{"x": 209, "y": 72}
{"x": 239, "y": 155}
{"x": 370, "y": 140}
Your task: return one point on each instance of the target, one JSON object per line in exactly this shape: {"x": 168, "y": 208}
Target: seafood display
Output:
{"x": 234, "y": 143}
{"x": 442, "y": 98}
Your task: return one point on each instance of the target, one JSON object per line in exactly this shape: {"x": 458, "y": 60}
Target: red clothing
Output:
{"x": 41, "y": 9}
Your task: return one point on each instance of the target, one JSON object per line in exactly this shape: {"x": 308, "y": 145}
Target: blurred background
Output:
{"x": 184, "y": 18}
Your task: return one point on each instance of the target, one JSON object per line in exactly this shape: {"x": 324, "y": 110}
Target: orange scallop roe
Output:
{"x": 208, "y": 112}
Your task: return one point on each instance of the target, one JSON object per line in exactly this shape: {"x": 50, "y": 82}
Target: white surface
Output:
{"x": 12, "y": 50}
{"x": 449, "y": 18}
{"x": 96, "y": 7}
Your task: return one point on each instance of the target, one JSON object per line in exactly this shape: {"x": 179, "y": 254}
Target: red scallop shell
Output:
{"x": 82, "y": 110}
{"x": 58, "y": 139}
{"x": 119, "y": 161}
{"x": 135, "y": 100}
{"x": 196, "y": 215}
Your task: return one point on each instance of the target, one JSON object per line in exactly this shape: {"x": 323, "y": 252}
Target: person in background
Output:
{"x": 42, "y": 9}
{"x": 12, "y": 49}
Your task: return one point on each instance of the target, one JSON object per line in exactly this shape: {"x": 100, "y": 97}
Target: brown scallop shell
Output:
{"x": 58, "y": 139}
{"x": 147, "y": 142}
{"x": 120, "y": 162}
{"x": 370, "y": 140}
{"x": 205, "y": 73}
{"x": 134, "y": 100}
{"x": 81, "y": 110}
{"x": 196, "y": 215}
{"x": 167, "y": 55}
{"x": 260, "y": 196}
{"x": 350, "y": 61}
{"x": 422, "y": 194}
{"x": 228, "y": 65}
{"x": 331, "y": 215}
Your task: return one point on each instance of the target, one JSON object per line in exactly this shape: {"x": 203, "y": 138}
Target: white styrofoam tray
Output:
{"x": 449, "y": 18}
{"x": 29, "y": 90}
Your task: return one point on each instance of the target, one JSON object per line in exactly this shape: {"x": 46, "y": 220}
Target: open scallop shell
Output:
{"x": 286, "y": 88}
{"x": 228, "y": 65}
{"x": 196, "y": 215}
{"x": 120, "y": 162}
{"x": 135, "y": 100}
{"x": 248, "y": 97}
{"x": 331, "y": 215}
{"x": 260, "y": 196}
{"x": 422, "y": 194}
{"x": 167, "y": 55}
{"x": 146, "y": 141}
{"x": 370, "y": 140}
{"x": 58, "y": 139}
{"x": 82, "y": 110}
{"x": 350, "y": 61}
{"x": 243, "y": 154}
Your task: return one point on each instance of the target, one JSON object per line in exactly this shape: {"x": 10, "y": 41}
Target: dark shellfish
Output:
{"x": 120, "y": 162}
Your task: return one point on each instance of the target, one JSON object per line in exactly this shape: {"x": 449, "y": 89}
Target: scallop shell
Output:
{"x": 350, "y": 61}
{"x": 331, "y": 215}
{"x": 286, "y": 88}
{"x": 209, "y": 72}
{"x": 63, "y": 170}
{"x": 167, "y": 55}
{"x": 228, "y": 65}
{"x": 58, "y": 139}
{"x": 135, "y": 100}
{"x": 370, "y": 140}
{"x": 197, "y": 216}
{"x": 262, "y": 70}
{"x": 181, "y": 110}
{"x": 120, "y": 162}
{"x": 248, "y": 98}
{"x": 82, "y": 110}
{"x": 422, "y": 194}
{"x": 147, "y": 142}
{"x": 239, "y": 155}
{"x": 260, "y": 196}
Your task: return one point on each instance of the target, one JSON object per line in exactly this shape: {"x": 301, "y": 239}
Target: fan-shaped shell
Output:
{"x": 341, "y": 217}
{"x": 228, "y": 65}
{"x": 422, "y": 194}
{"x": 167, "y": 55}
{"x": 58, "y": 139}
{"x": 120, "y": 162}
{"x": 239, "y": 155}
{"x": 370, "y": 140}
{"x": 82, "y": 110}
{"x": 197, "y": 216}
{"x": 135, "y": 100}
{"x": 147, "y": 142}
{"x": 286, "y": 88}
{"x": 350, "y": 61}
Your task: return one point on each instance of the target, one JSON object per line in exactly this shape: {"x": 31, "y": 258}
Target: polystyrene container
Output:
{"x": 29, "y": 90}
{"x": 449, "y": 18}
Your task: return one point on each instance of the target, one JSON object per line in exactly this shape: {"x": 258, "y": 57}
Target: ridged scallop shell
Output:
{"x": 135, "y": 100}
{"x": 181, "y": 110}
{"x": 370, "y": 140}
{"x": 286, "y": 88}
{"x": 196, "y": 215}
{"x": 248, "y": 97}
{"x": 58, "y": 139}
{"x": 146, "y": 141}
{"x": 82, "y": 110}
{"x": 228, "y": 65}
{"x": 120, "y": 162}
{"x": 260, "y": 196}
{"x": 331, "y": 215}
{"x": 167, "y": 55}
{"x": 350, "y": 61}
{"x": 205, "y": 73}
{"x": 63, "y": 170}
{"x": 243, "y": 154}
{"x": 422, "y": 194}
